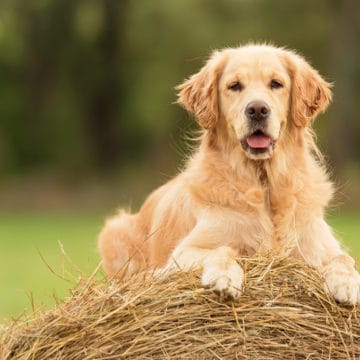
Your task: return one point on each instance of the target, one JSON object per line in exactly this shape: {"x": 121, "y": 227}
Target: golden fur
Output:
{"x": 229, "y": 200}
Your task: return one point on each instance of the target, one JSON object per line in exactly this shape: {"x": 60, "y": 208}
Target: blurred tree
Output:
{"x": 105, "y": 102}
{"x": 46, "y": 32}
{"x": 344, "y": 129}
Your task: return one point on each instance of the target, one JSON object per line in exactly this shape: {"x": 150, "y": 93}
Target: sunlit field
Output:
{"x": 42, "y": 255}
{"x": 38, "y": 253}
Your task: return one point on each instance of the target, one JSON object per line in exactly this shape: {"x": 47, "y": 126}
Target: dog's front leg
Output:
{"x": 319, "y": 248}
{"x": 206, "y": 248}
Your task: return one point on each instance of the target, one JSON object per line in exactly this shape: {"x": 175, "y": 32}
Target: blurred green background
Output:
{"x": 87, "y": 120}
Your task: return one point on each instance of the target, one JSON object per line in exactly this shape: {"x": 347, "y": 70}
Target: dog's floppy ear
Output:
{"x": 199, "y": 94}
{"x": 310, "y": 93}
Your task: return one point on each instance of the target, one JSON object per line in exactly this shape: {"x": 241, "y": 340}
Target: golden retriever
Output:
{"x": 255, "y": 183}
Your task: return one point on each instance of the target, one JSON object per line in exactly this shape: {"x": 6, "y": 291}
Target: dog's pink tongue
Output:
{"x": 258, "y": 141}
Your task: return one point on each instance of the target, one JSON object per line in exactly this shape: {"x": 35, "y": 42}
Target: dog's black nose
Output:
{"x": 257, "y": 110}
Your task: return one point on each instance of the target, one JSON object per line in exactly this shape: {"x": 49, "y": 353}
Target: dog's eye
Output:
{"x": 235, "y": 86}
{"x": 276, "y": 84}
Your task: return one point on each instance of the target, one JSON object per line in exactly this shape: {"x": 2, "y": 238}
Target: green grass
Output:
{"x": 346, "y": 227}
{"x": 30, "y": 247}
{"x": 24, "y": 273}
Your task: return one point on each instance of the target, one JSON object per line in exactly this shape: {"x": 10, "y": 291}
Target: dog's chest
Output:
{"x": 268, "y": 223}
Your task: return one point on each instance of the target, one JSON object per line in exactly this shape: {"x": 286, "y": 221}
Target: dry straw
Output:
{"x": 284, "y": 314}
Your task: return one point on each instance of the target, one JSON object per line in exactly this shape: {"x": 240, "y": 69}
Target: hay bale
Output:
{"x": 283, "y": 314}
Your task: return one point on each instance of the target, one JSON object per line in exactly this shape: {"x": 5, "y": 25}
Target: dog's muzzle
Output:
{"x": 257, "y": 141}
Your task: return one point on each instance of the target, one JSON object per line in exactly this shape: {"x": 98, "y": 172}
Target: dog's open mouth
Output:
{"x": 258, "y": 145}
{"x": 258, "y": 140}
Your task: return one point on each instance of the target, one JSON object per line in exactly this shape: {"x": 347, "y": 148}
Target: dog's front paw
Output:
{"x": 226, "y": 281}
{"x": 343, "y": 283}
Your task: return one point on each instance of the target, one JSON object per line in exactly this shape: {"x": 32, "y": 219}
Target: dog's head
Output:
{"x": 256, "y": 90}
